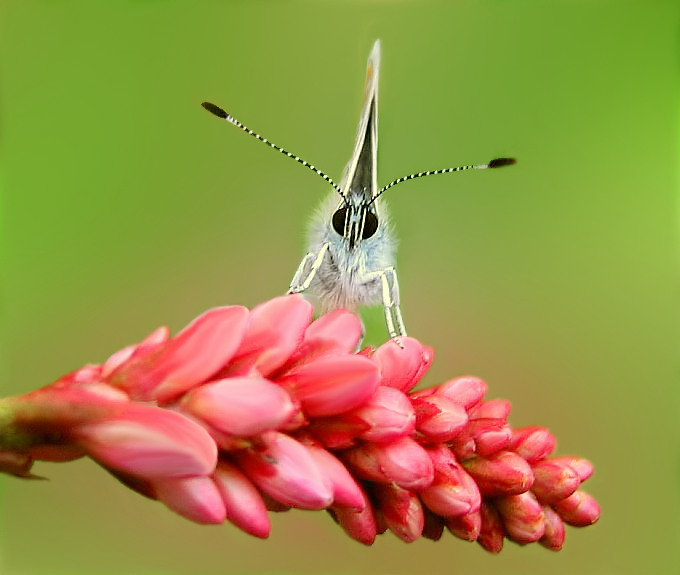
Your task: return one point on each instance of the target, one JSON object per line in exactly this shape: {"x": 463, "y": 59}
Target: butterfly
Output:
{"x": 350, "y": 261}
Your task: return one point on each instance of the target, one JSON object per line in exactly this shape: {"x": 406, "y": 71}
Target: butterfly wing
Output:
{"x": 361, "y": 175}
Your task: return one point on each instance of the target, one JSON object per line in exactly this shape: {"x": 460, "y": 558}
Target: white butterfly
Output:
{"x": 351, "y": 255}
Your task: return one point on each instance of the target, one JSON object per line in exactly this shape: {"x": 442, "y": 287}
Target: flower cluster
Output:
{"x": 245, "y": 412}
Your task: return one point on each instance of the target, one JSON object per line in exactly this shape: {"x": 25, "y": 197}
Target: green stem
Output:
{"x": 12, "y": 436}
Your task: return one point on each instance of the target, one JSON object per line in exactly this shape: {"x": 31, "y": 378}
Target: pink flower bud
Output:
{"x": 467, "y": 527}
{"x": 428, "y": 358}
{"x": 196, "y": 498}
{"x": 452, "y": 492}
{"x": 150, "y": 442}
{"x": 434, "y": 526}
{"x": 504, "y": 473}
{"x": 401, "y": 510}
{"x": 359, "y": 525}
{"x": 385, "y": 416}
{"x": 332, "y": 384}
{"x": 491, "y": 533}
{"x": 401, "y": 366}
{"x": 490, "y": 435}
{"x": 337, "y": 331}
{"x": 240, "y": 406}
{"x": 244, "y": 504}
{"x": 463, "y": 445}
{"x": 553, "y": 538}
{"x": 274, "y": 330}
{"x": 402, "y": 461}
{"x": 583, "y": 467}
{"x": 57, "y": 408}
{"x": 273, "y": 505}
{"x": 346, "y": 491}
{"x": 579, "y": 509}
{"x": 466, "y": 391}
{"x": 493, "y": 408}
{"x": 532, "y": 443}
{"x": 338, "y": 432}
{"x": 150, "y": 342}
{"x": 522, "y": 517}
{"x": 388, "y": 414}
{"x": 285, "y": 469}
{"x": 439, "y": 418}
{"x": 553, "y": 481}
{"x": 197, "y": 352}
{"x": 301, "y": 421}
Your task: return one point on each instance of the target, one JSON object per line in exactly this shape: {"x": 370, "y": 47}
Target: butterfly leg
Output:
{"x": 299, "y": 284}
{"x": 396, "y": 310}
{"x": 390, "y": 297}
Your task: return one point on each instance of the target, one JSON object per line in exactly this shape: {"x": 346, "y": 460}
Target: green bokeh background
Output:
{"x": 126, "y": 206}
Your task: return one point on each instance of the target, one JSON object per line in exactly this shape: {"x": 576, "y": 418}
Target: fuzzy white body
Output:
{"x": 347, "y": 277}
{"x": 350, "y": 261}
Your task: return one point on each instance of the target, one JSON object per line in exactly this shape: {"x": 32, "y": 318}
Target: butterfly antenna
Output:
{"x": 495, "y": 163}
{"x": 220, "y": 113}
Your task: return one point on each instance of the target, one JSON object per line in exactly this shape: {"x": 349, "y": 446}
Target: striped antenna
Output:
{"x": 220, "y": 113}
{"x": 495, "y": 163}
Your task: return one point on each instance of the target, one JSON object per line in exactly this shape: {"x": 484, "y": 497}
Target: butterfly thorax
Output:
{"x": 359, "y": 244}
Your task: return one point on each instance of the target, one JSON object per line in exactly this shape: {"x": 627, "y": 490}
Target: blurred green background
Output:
{"x": 126, "y": 206}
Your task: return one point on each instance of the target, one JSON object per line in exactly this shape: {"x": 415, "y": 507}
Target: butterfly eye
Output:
{"x": 339, "y": 221}
{"x": 370, "y": 225}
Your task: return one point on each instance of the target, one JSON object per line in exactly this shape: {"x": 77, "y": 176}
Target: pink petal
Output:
{"x": 195, "y": 498}
{"x": 504, "y": 473}
{"x": 467, "y": 391}
{"x": 275, "y": 329}
{"x": 402, "y": 366}
{"x": 439, "y": 418}
{"x": 150, "y": 442}
{"x": 240, "y": 406}
{"x": 285, "y": 469}
{"x": 188, "y": 359}
{"x": 245, "y": 507}
{"x": 332, "y": 384}
{"x": 401, "y": 510}
{"x": 402, "y": 461}
{"x": 532, "y": 443}
{"x": 522, "y": 517}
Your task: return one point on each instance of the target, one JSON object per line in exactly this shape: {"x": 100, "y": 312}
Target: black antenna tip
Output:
{"x": 219, "y": 112}
{"x": 500, "y": 162}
